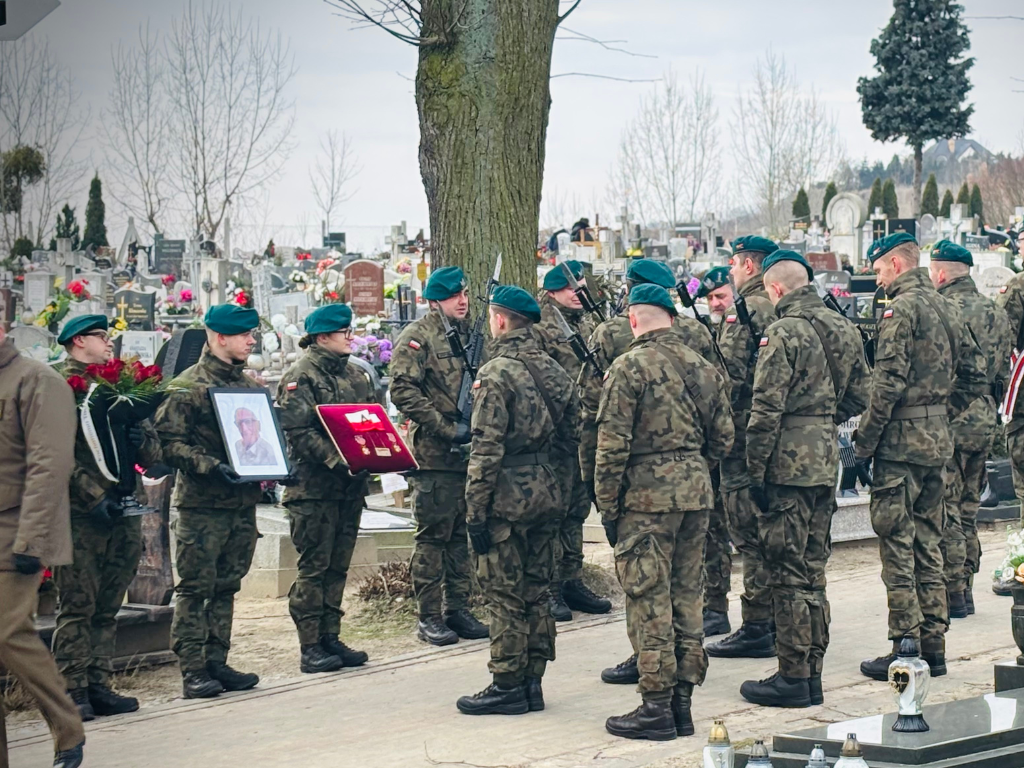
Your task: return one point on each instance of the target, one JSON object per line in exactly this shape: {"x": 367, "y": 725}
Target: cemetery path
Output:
{"x": 401, "y": 712}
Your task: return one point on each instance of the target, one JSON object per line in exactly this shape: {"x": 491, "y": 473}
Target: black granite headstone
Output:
{"x": 182, "y": 351}
{"x": 137, "y": 308}
{"x": 167, "y": 256}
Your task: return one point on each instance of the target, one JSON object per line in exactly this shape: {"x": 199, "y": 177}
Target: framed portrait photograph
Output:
{"x": 252, "y": 436}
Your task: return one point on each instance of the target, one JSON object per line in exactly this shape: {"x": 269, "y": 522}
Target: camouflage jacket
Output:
{"x": 88, "y": 485}
{"x": 738, "y": 345}
{"x": 511, "y": 419}
{"x": 319, "y": 378}
{"x": 551, "y": 339}
{"x": 425, "y": 382}
{"x": 1011, "y": 301}
{"x": 656, "y": 432}
{"x": 791, "y": 436}
{"x": 914, "y": 366}
{"x": 191, "y": 437}
{"x": 976, "y": 428}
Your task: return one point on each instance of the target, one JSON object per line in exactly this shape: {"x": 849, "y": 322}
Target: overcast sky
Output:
{"x": 356, "y": 81}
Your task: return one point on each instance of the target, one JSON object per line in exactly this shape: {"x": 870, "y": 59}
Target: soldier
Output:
{"x": 568, "y": 592}
{"x": 425, "y": 382}
{"x": 525, "y": 420}
{"x": 216, "y": 525}
{"x": 810, "y": 377}
{"x": 107, "y": 545}
{"x": 738, "y": 342}
{"x": 326, "y": 503}
{"x": 928, "y": 369}
{"x": 664, "y": 414}
{"x": 36, "y": 461}
{"x": 975, "y": 429}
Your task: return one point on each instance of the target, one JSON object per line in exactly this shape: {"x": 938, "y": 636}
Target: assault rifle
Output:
{"x": 582, "y": 291}
{"x": 865, "y": 338}
{"x": 579, "y": 346}
{"x": 687, "y": 301}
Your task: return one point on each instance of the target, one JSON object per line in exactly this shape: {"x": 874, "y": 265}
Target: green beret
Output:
{"x": 882, "y": 246}
{"x": 516, "y": 299}
{"x": 231, "y": 319}
{"x": 776, "y": 256}
{"x": 713, "y": 279}
{"x": 444, "y": 283}
{"x": 650, "y": 271}
{"x": 555, "y": 280}
{"x": 76, "y": 326}
{"x": 753, "y": 244}
{"x": 328, "y": 319}
{"x": 649, "y": 293}
{"x": 944, "y": 250}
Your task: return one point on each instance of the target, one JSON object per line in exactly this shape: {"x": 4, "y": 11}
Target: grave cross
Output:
{"x": 122, "y": 306}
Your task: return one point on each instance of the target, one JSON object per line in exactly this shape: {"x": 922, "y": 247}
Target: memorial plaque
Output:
{"x": 141, "y": 344}
{"x": 992, "y": 280}
{"x": 834, "y": 279}
{"x": 121, "y": 277}
{"x": 136, "y": 308}
{"x": 892, "y": 226}
{"x": 364, "y": 287}
{"x": 823, "y": 262}
{"x": 38, "y": 286}
{"x": 167, "y": 256}
{"x": 655, "y": 252}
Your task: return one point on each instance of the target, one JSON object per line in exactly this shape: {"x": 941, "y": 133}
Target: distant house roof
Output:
{"x": 956, "y": 149}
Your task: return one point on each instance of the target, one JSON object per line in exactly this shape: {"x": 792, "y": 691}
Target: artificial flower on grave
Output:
{"x": 185, "y": 296}
{"x": 117, "y": 327}
{"x": 1012, "y": 567}
{"x": 391, "y": 291}
{"x": 57, "y": 309}
{"x": 404, "y": 267}
{"x": 241, "y": 298}
{"x": 323, "y": 265}
{"x": 168, "y": 280}
{"x": 297, "y": 276}
{"x": 303, "y": 256}
{"x": 374, "y": 350}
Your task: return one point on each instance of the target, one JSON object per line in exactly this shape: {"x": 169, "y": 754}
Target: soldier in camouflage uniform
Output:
{"x": 326, "y": 503}
{"x": 975, "y": 429}
{"x": 107, "y": 547}
{"x": 216, "y": 525}
{"x": 425, "y": 382}
{"x": 811, "y": 376}
{"x": 664, "y": 414}
{"x": 928, "y": 370}
{"x": 738, "y": 342}
{"x": 525, "y": 422}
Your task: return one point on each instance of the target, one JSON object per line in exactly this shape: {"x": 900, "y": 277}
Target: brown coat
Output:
{"x": 37, "y": 416}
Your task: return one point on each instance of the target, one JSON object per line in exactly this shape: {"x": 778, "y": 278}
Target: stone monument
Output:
{"x": 845, "y": 219}
{"x": 364, "y": 287}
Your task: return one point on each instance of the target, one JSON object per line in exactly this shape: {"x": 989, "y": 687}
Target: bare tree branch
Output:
{"x": 387, "y": 17}
{"x": 580, "y": 36}
{"x": 565, "y": 15}
{"x": 601, "y": 77}
{"x": 336, "y": 166}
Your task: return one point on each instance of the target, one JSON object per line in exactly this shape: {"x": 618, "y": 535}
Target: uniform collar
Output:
{"x": 573, "y": 315}
{"x": 514, "y": 341}
{"x": 800, "y": 299}
{"x": 462, "y": 326}
{"x": 328, "y": 362}
{"x": 654, "y": 335}
{"x": 74, "y": 367}
{"x": 962, "y": 284}
{"x": 752, "y": 287}
{"x": 912, "y": 278}
{"x": 219, "y": 368}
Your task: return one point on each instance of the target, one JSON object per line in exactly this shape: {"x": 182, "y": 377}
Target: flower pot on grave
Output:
{"x": 1017, "y": 619}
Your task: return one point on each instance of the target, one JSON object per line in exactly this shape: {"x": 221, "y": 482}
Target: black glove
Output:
{"x": 289, "y": 480}
{"x": 105, "y": 510}
{"x": 611, "y": 531}
{"x": 136, "y": 435}
{"x": 228, "y": 475}
{"x": 462, "y": 434}
{"x": 863, "y": 470}
{"x": 27, "y": 565}
{"x": 362, "y": 474}
{"x": 759, "y": 497}
{"x": 480, "y": 537}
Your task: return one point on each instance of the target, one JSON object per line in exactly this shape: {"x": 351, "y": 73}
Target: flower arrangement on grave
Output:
{"x": 298, "y": 277}
{"x": 374, "y": 350}
{"x": 240, "y": 297}
{"x": 404, "y": 267}
{"x": 391, "y": 291}
{"x": 326, "y": 288}
{"x": 179, "y": 303}
{"x": 59, "y": 306}
{"x": 1012, "y": 567}
{"x": 303, "y": 256}
{"x": 118, "y": 326}
{"x": 168, "y": 280}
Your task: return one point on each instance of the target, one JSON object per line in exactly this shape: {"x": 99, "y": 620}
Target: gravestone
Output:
{"x": 38, "y": 287}
{"x": 182, "y": 351}
{"x": 928, "y": 229}
{"x": 167, "y": 255}
{"x": 824, "y": 262}
{"x": 845, "y": 218}
{"x": 992, "y": 279}
{"x": 280, "y": 302}
{"x": 262, "y": 287}
{"x": 364, "y": 287}
{"x": 120, "y": 278}
{"x": 136, "y": 308}
{"x": 901, "y": 225}
{"x": 141, "y": 344}
{"x": 33, "y": 341}
{"x": 212, "y": 282}
{"x": 96, "y": 285}
{"x": 834, "y": 279}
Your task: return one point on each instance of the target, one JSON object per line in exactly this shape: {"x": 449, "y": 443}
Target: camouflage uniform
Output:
{"x": 656, "y": 433}
{"x": 974, "y": 431}
{"x": 106, "y": 557}
{"x": 918, "y": 384}
{"x": 1011, "y": 301}
{"x": 793, "y": 448}
{"x": 518, "y": 452}
{"x": 216, "y": 525}
{"x": 325, "y": 506}
{"x": 737, "y": 343}
{"x": 425, "y": 381}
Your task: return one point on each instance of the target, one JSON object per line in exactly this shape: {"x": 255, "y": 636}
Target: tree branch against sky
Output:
{"x": 336, "y": 166}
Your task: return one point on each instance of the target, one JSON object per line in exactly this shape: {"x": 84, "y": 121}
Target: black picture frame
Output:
{"x": 227, "y": 399}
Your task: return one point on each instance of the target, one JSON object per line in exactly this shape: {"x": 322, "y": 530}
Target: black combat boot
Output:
{"x": 199, "y": 685}
{"x": 495, "y": 700}
{"x": 335, "y": 647}
{"x": 969, "y": 600}
{"x": 466, "y": 625}
{"x": 81, "y": 698}
{"x": 753, "y": 640}
{"x": 624, "y": 673}
{"x": 652, "y": 720}
{"x": 878, "y": 669}
{"x": 936, "y": 662}
{"x": 434, "y": 631}
{"x": 681, "y": 696}
{"x": 556, "y": 605}
{"x": 817, "y": 694}
{"x": 957, "y": 605}
{"x": 316, "y": 659}
{"x": 69, "y": 758}
{"x": 579, "y": 597}
{"x": 716, "y": 623}
{"x": 105, "y": 702}
{"x": 778, "y": 691}
{"x": 231, "y": 679}
{"x": 534, "y": 694}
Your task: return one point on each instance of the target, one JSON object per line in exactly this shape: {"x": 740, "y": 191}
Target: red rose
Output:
{"x": 168, "y": 280}
{"x": 143, "y": 373}
{"x": 109, "y": 372}
{"x": 76, "y": 288}
{"x": 78, "y": 385}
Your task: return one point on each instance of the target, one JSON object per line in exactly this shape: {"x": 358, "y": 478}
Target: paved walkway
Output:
{"x": 402, "y": 712}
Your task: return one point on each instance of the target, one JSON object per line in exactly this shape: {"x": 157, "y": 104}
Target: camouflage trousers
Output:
{"x": 906, "y": 513}
{"x": 659, "y": 560}
{"x": 214, "y": 551}
{"x": 717, "y": 560}
{"x": 961, "y": 550}
{"x": 570, "y": 533}
{"x": 91, "y": 591}
{"x": 324, "y": 534}
{"x": 514, "y": 577}
{"x": 440, "y": 565}
{"x": 741, "y": 513}
{"x": 796, "y": 540}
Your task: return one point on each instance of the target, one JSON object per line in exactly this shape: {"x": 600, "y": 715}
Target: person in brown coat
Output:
{"x": 37, "y": 413}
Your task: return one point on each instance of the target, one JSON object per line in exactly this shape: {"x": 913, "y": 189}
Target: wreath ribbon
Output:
{"x": 92, "y": 438}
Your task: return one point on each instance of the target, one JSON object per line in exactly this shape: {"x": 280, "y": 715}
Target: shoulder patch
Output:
{"x": 414, "y": 344}
{"x": 291, "y": 385}
{"x": 1002, "y": 289}
{"x": 476, "y": 384}
{"x": 730, "y": 318}
{"x": 764, "y": 341}
{"x": 605, "y": 377}
{"x": 888, "y": 313}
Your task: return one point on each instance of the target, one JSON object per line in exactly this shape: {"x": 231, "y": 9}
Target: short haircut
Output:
{"x": 514, "y": 319}
{"x": 789, "y": 274}
{"x": 908, "y": 253}
{"x": 953, "y": 268}
{"x": 757, "y": 257}
{"x": 647, "y": 314}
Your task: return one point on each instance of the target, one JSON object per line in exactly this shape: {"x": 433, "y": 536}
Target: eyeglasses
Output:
{"x": 242, "y": 422}
{"x": 98, "y": 335}
{"x": 347, "y": 333}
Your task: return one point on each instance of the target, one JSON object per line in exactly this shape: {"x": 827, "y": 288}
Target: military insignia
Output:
{"x": 739, "y": 246}
{"x": 476, "y": 384}
{"x": 730, "y": 318}
{"x": 764, "y": 341}
{"x": 1002, "y": 289}
{"x": 291, "y": 386}
{"x": 605, "y": 377}
{"x": 887, "y": 313}
{"x": 414, "y": 344}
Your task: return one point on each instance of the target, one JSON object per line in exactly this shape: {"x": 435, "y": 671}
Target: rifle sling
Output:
{"x": 833, "y": 365}
{"x": 692, "y": 389}
{"x": 555, "y": 416}
{"x": 945, "y": 324}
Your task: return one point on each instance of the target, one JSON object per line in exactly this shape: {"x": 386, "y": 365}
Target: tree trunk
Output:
{"x": 483, "y": 97}
{"x": 917, "y": 181}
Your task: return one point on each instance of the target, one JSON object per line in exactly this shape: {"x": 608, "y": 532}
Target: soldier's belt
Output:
{"x": 918, "y": 412}
{"x": 524, "y": 459}
{"x": 642, "y": 458}
{"x": 792, "y": 420}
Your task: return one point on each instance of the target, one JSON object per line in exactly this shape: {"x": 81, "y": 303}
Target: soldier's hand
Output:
{"x": 289, "y": 480}
{"x": 228, "y": 475}
{"x": 462, "y": 434}
{"x": 611, "y": 531}
{"x": 362, "y": 474}
{"x": 863, "y": 469}
{"x": 480, "y": 537}
{"x": 136, "y": 435}
{"x": 27, "y": 564}
{"x": 759, "y": 497}
{"x": 104, "y": 511}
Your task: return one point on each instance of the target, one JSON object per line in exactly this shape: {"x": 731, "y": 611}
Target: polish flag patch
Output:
{"x": 476, "y": 384}
{"x": 1002, "y": 289}
{"x": 291, "y": 386}
{"x": 887, "y": 313}
{"x": 764, "y": 341}
{"x": 414, "y": 344}
{"x": 730, "y": 318}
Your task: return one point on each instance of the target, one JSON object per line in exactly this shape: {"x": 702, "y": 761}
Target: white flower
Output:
{"x": 278, "y": 322}
{"x": 270, "y": 342}
{"x": 1008, "y": 573}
